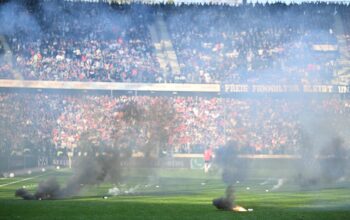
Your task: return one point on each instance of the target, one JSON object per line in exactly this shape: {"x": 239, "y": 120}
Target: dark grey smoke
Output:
{"x": 90, "y": 170}
{"x": 324, "y": 142}
{"x": 100, "y": 164}
{"x": 104, "y": 163}
{"x": 334, "y": 160}
{"x": 48, "y": 189}
{"x": 322, "y": 164}
{"x": 227, "y": 202}
{"x": 233, "y": 169}
{"x": 24, "y": 194}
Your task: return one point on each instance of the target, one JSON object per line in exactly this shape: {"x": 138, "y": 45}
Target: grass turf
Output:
{"x": 176, "y": 194}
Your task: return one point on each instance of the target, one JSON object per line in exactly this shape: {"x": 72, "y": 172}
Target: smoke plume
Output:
{"x": 90, "y": 170}
{"x": 147, "y": 132}
{"x": 227, "y": 202}
{"x": 324, "y": 156}
{"x": 233, "y": 169}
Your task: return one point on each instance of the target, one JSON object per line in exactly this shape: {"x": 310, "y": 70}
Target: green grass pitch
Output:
{"x": 175, "y": 194}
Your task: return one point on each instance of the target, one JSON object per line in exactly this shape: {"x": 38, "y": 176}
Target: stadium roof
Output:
{"x": 227, "y": 2}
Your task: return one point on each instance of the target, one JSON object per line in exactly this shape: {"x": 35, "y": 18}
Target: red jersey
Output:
{"x": 208, "y": 154}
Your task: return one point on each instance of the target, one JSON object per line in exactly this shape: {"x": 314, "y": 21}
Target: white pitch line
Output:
{"x": 22, "y": 180}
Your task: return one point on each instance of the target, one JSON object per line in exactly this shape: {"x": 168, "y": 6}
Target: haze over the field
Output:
{"x": 101, "y": 162}
{"x": 325, "y": 136}
{"x": 324, "y": 149}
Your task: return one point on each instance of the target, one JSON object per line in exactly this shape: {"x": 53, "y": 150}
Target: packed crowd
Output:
{"x": 85, "y": 42}
{"x": 27, "y": 122}
{"x": 260, "y": 126}
{"x": 270, "y": 43}
{"x": 255, "y": 44}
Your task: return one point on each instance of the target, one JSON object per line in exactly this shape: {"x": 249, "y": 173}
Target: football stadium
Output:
{"x": 174, "y": 109}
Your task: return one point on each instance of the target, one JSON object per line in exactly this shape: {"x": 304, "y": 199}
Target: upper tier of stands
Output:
{"x": 89, "y": 42}
{"x": 261, "y": 44}
{"x": 255, "y": 44}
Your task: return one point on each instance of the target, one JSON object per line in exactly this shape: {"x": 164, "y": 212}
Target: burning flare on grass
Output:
{"x": 233, "y": 170}
{"x": 227, "y": 203}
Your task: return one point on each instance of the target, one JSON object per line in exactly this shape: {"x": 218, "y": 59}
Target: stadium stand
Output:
{"x": 223, "y": 53}
{"x": 249, "y": 44}
{"x": 86, "y": 47}
{"x": 213, "y": 44}
{"x": 260, "y": 125}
